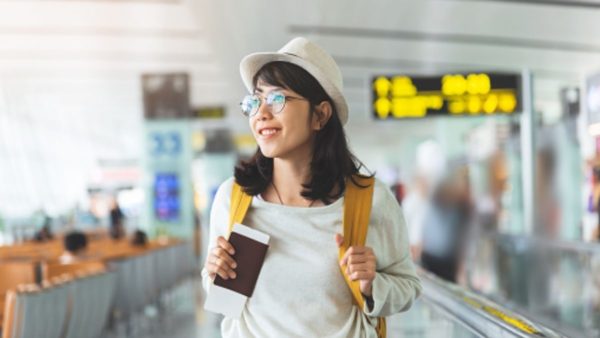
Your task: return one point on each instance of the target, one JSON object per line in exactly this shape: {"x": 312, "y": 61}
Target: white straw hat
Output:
{"x": 311, "y": 58}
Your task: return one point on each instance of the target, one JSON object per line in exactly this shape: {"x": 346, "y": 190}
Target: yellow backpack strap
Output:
{"x": 240, "y": 202}
{"x": 381, "y": 327}
{"x": 357, "y": 211}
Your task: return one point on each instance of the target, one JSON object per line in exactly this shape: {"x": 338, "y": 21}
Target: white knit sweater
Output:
{"x": 300, "y": 291}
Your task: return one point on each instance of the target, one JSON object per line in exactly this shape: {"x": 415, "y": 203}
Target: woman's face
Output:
{"x": 288, "y": 134}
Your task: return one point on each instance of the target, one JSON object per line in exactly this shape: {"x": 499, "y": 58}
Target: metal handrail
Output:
{"x": 576, "y": 246}
{"x": 480, "y": 314}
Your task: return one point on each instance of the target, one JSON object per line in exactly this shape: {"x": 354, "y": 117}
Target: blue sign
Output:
{"x": 167, "y": 203}
{"x": 166, "y": 143}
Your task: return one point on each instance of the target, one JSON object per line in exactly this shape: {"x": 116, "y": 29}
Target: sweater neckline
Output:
{"x": 260, "y": 202}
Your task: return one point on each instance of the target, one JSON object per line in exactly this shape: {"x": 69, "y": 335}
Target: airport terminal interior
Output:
{"x": 120, "y": 120}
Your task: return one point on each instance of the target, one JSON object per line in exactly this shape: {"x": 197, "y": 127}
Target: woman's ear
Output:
{"x": 322, "y": 115}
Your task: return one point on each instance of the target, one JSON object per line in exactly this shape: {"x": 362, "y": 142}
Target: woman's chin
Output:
{"x": 268, "y": 152}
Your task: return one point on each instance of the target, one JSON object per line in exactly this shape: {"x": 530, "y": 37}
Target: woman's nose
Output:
{"x": 264, "y": 111}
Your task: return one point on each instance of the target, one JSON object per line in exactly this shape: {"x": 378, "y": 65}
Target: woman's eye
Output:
{"x": 277, "y": 98}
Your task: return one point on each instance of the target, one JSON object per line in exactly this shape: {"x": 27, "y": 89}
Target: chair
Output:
{"x": 8, "y": 321}
{"x": 188, "y": 260}
{"x": 56, "y": 308}
{"x": 15, "y": 273}
{"x": 90, "y": 298}
{"x": 36, "y": 312}
{"x": 125, "y": 288}
{"x": 148, "y": 275}
{"x": 55, "y": 269}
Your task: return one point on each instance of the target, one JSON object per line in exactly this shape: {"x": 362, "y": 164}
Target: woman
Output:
{"x": 298, "y": 177}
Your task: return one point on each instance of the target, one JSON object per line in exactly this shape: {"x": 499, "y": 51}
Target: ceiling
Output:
{"x": 70, "y": 93}
{"x": 557, "y": 40}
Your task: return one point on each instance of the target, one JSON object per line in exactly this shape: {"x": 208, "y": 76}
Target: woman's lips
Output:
{"x": 267, "y": 133}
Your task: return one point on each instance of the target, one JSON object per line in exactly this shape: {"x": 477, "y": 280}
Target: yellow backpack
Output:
{"x": 357, "y": 209}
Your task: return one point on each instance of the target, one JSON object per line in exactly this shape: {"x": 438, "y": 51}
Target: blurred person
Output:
{"x": 446, "y": 226}
{"x": 487, "y": 215}
{"x": 547, "y": 206}
{"x": 415, "y": 206}
{"x": 390, "y": 175}
{"x": 45, "y": 233}
{"x": 75, "y": 244}
{"x": 197, "y": 231}
{"x": 297, "y": 179}
{"x": 139, "y": 238}
{"x": 430, "y": 167}
{"x": 489, "y": 204}
{"x": 117, "y": 221}
{"x": 595, "y": 201}
{"x": 399, "y": 191}
{"x": 592, "y": 292}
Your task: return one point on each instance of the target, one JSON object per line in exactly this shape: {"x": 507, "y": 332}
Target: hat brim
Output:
{"x": 251, "y": 64}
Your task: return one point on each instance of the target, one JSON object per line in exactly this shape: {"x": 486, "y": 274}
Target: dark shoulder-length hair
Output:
{"x": 332, "y": 161}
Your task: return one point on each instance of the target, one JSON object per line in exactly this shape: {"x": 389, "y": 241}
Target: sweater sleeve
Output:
{"x": 219, "y": 221}
{"x": 396, "y": 285}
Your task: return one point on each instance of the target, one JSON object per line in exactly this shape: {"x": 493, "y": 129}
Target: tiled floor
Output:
{"x": 182, "y": 317}
{"x": 185, "y": 318}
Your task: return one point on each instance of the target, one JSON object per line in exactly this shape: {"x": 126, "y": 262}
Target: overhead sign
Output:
{"x": 209, "y": 113}
{"x": 472, "y": 94}
{"x": 166, "y": 96}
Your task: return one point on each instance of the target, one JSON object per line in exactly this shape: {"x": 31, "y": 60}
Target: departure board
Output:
{"x": 470, "y": 94}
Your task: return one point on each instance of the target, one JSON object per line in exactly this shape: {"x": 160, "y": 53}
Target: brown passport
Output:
{"x": 249, "y": 256}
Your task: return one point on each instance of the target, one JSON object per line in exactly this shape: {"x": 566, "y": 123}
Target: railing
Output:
{"x": 482, "y": 316}
{"x": 557, "y": 282}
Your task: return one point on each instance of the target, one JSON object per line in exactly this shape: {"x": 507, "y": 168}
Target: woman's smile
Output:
{"x": 268, "y": 133}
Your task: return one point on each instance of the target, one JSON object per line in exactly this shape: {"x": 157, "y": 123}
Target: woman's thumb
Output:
{"x": 339, "y": 239}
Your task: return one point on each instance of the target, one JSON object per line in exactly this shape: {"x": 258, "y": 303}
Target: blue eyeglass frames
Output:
{"x": 275, "y": 101}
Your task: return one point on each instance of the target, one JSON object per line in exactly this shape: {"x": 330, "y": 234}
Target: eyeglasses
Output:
{"x": 275, "y": 102}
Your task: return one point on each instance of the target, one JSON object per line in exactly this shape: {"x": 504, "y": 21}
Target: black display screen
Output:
{"x": 471, "y": 94}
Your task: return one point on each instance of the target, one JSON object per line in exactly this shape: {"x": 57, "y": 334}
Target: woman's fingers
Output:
{"x": 359, "y": 268}
{"x": 224, "y": 273}
{"x": 223, "y": 243}
{"x": 218, "y": 266}
{"x": 356, "y": 253}
{"x": 221, "y": 256}
{"x": 363, "y": 275}
{"x": 226, "y": 266}
{"x": 220, "y": 262}
{"x": 360, "y": 262}
{"x": 352, "y": 268}
{"x": 359, "y": 259}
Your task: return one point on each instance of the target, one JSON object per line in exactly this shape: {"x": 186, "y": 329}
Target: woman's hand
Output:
{"x": 360, "y": 263}
{"x": 219, "y": 261}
